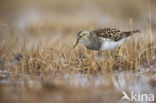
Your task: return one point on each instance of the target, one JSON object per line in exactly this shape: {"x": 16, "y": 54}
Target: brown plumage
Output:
{"x": 113, "y": 34}
{"x": 103, "y": 38}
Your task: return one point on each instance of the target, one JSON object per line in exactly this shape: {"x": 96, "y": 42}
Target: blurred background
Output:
{"x": 38, "y": 64}
{"x": 51, "y": 17}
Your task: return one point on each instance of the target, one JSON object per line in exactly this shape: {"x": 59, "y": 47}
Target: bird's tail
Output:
{"x": 128, "y": 33}
{"x": 136, "y": 31}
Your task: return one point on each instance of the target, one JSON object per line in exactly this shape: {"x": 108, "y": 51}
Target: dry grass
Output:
{"x": 57, "y": 55}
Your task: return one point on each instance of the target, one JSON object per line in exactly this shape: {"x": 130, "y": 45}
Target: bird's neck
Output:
{"x": 85, "y": 41}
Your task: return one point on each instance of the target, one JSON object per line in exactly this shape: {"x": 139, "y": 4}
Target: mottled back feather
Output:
{"x": 113, "y": 34}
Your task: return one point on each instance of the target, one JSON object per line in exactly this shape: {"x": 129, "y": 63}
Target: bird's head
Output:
{"x": 81, "y": 35}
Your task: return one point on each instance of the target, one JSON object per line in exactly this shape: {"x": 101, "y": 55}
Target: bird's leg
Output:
{"x": 99, "y": 53}
{"x": 117, "y": 53}
{"x": 109, "y": 53}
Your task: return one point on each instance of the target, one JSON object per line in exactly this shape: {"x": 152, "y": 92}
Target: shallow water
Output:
{"x": 121, "y": 80}
{"x": 110, "y": 84}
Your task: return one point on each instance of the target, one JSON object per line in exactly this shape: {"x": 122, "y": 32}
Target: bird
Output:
{"x": 102, "y": 39}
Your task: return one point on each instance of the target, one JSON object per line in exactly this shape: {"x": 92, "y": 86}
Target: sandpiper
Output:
{"x": 103, "y": 38}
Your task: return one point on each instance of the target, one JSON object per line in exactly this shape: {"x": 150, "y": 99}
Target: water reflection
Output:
{"x": 139, "y": 81}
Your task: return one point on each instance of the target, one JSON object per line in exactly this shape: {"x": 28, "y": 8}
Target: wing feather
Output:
{"x": 113, "y": 34}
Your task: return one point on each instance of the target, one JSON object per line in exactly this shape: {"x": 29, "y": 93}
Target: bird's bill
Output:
{"x": 76, "y": 44}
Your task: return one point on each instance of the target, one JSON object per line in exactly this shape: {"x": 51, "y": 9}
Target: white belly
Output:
{"x": 110, "y": 44}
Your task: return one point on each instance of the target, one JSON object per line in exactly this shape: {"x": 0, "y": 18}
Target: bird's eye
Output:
{"x": 80, "y": 36}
